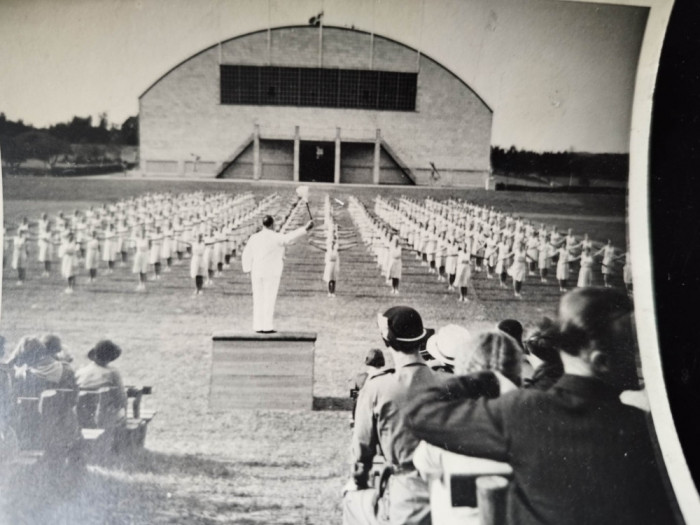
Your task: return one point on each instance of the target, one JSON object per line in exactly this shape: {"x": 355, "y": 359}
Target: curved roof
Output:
{"x": 244, "y": 35}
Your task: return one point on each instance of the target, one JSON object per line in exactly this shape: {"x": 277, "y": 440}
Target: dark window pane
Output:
{"x": 388, "y": 85}
{"x": 406, "y": 93}
{"x": 249, "y": 81}
{"x": 329, "y": 88}
{"x": 308, "y": 91}
{"x": 289, "y": 86}
{"x": 347, "y": 93}
{"x": 318, "y": 87}
{"x": 269, "y": 86}
{"x": 367, "y": 89}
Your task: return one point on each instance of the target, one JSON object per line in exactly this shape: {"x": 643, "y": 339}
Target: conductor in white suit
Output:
{"x": 263, "y": 258}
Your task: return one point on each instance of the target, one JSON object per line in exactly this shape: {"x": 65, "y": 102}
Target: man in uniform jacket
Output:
{"x": 379, "y": 422}
{"x": 263, "y": 258}
{"x": 578, "y": 454}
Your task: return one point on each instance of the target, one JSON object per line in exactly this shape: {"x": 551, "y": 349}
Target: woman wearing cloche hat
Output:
{"x": 98, "y": 374}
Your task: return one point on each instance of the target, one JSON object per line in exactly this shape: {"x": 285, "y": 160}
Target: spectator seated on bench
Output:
{"x": 44, "y": 393}
{"x": 489, "y": 366}
{"x": 55, "y": 347}
{"x": 36, "y": 369}
{"x": 101, "y": 388}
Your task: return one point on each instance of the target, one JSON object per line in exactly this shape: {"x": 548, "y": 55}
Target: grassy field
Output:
{"x": 247, "y": 467}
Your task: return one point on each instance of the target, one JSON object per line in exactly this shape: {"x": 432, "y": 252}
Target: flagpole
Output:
{"x": 420, "y": 34}
{"x": 320, "y": 37}
{"x": 371, "y": 36}
{"x": 269, "y": 36}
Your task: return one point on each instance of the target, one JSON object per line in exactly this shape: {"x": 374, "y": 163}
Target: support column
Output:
{"x": 257, "y": 171}
{"x": 377, "y": 156}
{"x": 296, "y": 153}
{"x": 336, "y": 164}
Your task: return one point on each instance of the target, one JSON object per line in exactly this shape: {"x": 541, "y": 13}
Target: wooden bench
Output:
{"x": 100, "y": 423}
{"x": 467, "y": 493}
{"x": 138, "y": 416}
{"x": 42, "y": 426}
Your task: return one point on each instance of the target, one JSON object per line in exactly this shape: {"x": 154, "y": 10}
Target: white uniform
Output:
{"x": 263, "y": 258}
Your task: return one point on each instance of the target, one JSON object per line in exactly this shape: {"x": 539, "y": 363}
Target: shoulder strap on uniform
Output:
{"x": 382, "y": 373}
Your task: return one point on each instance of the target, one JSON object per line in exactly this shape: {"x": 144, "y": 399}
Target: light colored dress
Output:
{"x": 518, "y": 269}
{"x": 502, "y": 258}
{"x": 585, "y": 273}
{"x": 19, "y": 252}
{"x": 563, "y": 264}
{"x": 109, "y": 249}
{"x": 92, "y": 254}
{"x": 154, "y": 252}
{"x": 395, "y": 266}
{"x": 608, "y": 265}
{"x": 464, "y": 270}
{"x": 533, "y": 248}
{"x": 45, "y": 247}
{"x": 451, "y": 261}
{"x": 545, "y": 253}
{"x": 141, "y": 256}
{"x": 332, "y": 267}
{"x": 197, "y": 266}
{"x": 68, "y": 252}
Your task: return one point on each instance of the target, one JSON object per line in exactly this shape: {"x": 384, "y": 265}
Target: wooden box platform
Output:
{"x": 266, "y": 371}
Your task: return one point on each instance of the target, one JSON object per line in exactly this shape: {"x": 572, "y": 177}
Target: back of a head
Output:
{"x": 597, "y": 326}
{"x": 375, "y": 358}
{"x": 496, "y": 351}
{"x": 268, "y": 221}
{"x": 28, "y": 351}
{"x": 52, "y": 343}
{"x": 595, "y": 318}
{"x": 542, "y": 341}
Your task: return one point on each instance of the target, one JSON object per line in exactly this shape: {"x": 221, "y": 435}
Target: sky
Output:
{"x": 559, "y": 75}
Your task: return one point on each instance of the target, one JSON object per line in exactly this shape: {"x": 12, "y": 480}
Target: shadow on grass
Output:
{"x": 141, "y": 489}
{"x": 332, "y": 403}
{"x": 146, "y": 461}
{"x": 43, "y": 493}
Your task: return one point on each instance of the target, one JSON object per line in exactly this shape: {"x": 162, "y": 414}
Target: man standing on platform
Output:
{"x": 263, "y": 258}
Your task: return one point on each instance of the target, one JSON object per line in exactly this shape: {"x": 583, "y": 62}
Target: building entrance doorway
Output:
{"x": 316, "y": 161}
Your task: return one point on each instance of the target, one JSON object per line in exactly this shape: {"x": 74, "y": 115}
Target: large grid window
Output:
{"x": 318, "y": 87}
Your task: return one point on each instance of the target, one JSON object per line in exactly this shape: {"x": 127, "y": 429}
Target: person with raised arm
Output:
{"x": 263, "y": 258}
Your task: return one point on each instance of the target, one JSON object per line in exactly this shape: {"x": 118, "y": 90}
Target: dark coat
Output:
{"x": 578, "y": 454}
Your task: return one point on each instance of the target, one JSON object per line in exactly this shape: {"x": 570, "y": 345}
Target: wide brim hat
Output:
{"x": 403, "y": 324}
{"x": 448, "y": 343}
{"x": 105, "y": 351}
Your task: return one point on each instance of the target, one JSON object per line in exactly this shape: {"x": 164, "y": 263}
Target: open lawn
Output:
{"x": 247, "y": 467}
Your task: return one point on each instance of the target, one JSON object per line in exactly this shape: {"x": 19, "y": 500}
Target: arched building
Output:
{"x": 315, "y": 103}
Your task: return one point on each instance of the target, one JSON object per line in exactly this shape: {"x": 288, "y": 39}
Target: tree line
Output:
{"x": 77, "y": 141}
{"x": 80, "y": 141}
{"x": 613, "y": 166}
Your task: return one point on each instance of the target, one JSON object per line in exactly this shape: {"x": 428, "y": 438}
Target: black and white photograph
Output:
{"x": 338, "y": 261}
